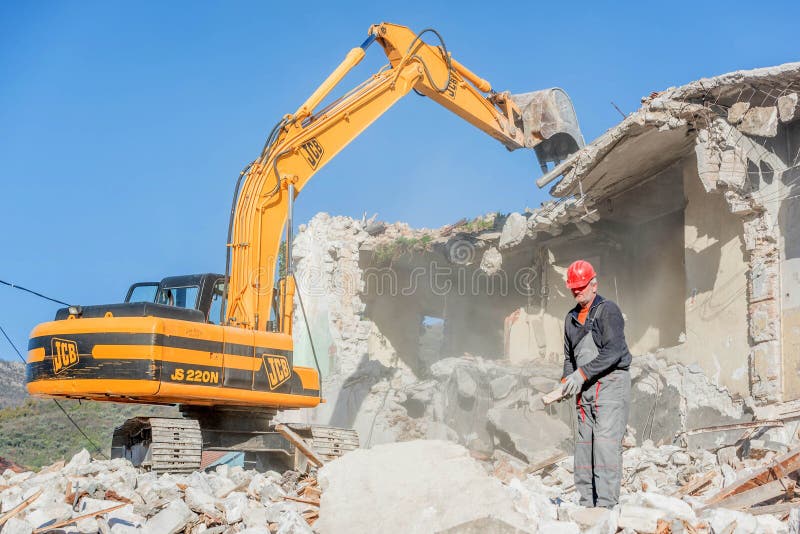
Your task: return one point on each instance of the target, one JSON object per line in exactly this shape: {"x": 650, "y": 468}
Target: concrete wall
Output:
{"x": 716, "y": 284}
{"x": 789, "y": 222}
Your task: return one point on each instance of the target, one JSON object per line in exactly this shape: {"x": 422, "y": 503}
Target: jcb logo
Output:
{"x": 451, "y": 86}
{"x": 65, "y": 354}
{"x": 312, "y": 151}
{"x": 277, "y": 368}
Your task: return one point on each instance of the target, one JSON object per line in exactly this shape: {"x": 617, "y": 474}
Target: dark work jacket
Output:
{"x": 608, "y": 331}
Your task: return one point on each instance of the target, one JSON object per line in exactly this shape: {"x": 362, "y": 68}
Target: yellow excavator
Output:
{"x": 220, "y": 345}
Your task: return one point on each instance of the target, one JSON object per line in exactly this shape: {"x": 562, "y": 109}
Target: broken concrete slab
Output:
{"x": 526, "y": 433}
{"x": 514, "y": 231}
{"x": 491, "y": 261}
{"x": 788, "y": 107}
{"x": 760, "y": 122}
{"x": 736, "y": 112}
{"x": 484, "y": 525}
{"x": 403, "y": 484}
{"x": 172, "y": 519}
{"x": 502, "y": 386}
{"x": 640, "y": 518}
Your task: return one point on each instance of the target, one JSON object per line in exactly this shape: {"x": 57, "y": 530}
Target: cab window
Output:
{"x": 216, "y": 301}
{"x": 142, "y": 292}
{"x": 181, "y": 297}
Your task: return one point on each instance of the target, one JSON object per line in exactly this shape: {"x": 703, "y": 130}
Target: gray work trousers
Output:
{"x": 602, "y": 419}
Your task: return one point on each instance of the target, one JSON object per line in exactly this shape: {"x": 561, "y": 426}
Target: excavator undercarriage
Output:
{"x": 176, "y": 445}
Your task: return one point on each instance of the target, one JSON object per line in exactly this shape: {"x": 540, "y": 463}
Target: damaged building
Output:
{"x": 688, "y": 211}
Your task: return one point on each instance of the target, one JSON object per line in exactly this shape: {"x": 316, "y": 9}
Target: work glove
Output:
{"x": 573, "y": 383}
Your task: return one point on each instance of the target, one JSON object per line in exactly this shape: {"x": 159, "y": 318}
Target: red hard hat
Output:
{"x": 579, "y": 274}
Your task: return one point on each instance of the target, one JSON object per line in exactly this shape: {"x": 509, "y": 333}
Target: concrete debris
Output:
{"x": 513, "y": 231}
{"x": 492, "y": 261}
{"x": 760, "y": 121}
{"x": 86, "y": 496}
{"x": 736, "y": 112}
{"x": 788, "y": 107}
{"x": 411, "y": 487}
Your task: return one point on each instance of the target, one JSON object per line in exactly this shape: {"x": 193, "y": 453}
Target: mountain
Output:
{"x": 35, "y": 432}
{"x": 12, "y": 384}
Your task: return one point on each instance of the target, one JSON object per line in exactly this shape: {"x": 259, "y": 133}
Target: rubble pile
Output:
{"x": 420, "y": 486}
{"x": 111, "y": 496}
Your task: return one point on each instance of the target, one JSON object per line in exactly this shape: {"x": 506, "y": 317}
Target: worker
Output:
{"x": 596, "y": 363}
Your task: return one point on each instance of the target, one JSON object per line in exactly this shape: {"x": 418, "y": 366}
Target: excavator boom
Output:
{"x": 308, "y": 139}
{"x": 231, "y": 369}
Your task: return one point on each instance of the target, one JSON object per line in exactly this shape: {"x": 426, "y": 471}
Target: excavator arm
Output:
{"x": 303, "y": 142}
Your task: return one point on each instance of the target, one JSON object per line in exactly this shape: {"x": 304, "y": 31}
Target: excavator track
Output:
{"x": 175, "y": 445}
{"x": 327, "y": 441}
{"x": 159, "y": 444}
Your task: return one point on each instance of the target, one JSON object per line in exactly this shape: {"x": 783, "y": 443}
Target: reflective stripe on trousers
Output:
{"x": 602, "y": 419}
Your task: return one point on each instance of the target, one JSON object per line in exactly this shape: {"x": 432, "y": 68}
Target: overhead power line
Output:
{"x": 9, "y": 284}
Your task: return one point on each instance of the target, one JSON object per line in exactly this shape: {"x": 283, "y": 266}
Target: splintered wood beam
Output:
{"x": 48, "y": 528}
{"x": 759, "y": 494}
{"x": 736, "y": 426}
{"x": 695, "y": 484}
{"x": 780, "y": 467}
{"x": 296, "y": 440}
{"x": 20, "y": 507}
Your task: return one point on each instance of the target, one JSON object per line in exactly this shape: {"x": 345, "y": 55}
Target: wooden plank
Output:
{"x": 780, "y": 467}
{"x": 541, "y": 466}
{"x": 736, "y": 426}
{"x": 48, "y": 528}
{"x": 695, "y": 484}
{"x": 780, "y": 508}
{"x": 300, "y": 443}
{"x": 20, "y": 507}
{"x": 753, "y": 496}
{"x": 298, "y": 499}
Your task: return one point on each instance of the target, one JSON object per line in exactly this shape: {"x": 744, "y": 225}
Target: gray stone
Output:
{"x": 467, "y": 387}
{"x": 680, "y": 458}
{"x": 491, "y": 261}
{"x": 484, "y": 525}
{"x": 513, "y": 231}
{"x": 787, "y": 107}
{"x": 90, "y": 525}
{"x": 405, "y": 486}
{"x": 671, "y": 506}
{"x": 760, "y": 122}
{"x": 502, "y": 386}
{"x": 720, "y": 519}
{"x": 234, "y": 506}
{"x": 602, "y": 519}
{"x": 736, "y": 112}
{"x": 550, "y": 526}
{"x": 17, "y": 526}
{"x": 794, "y": 521}
{"x": 276, "y": 511}
{"x": 293, "y": 523}
{"x": 526, "y": 432}
{"x": 255, "y": 517}
{"x": 200, "y": 501}
{"x": 542, "y": 384}
{"x": 639, "y": 518}
{"x": 49, "y": 515}
{"x": 172, "y": 519}
{"x": 81, "y": 459}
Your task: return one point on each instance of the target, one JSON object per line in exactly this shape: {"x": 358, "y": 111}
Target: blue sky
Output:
{"x": 124, "y": 125}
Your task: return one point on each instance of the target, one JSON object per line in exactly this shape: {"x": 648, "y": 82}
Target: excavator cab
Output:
{"x": 201, "y": 292}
